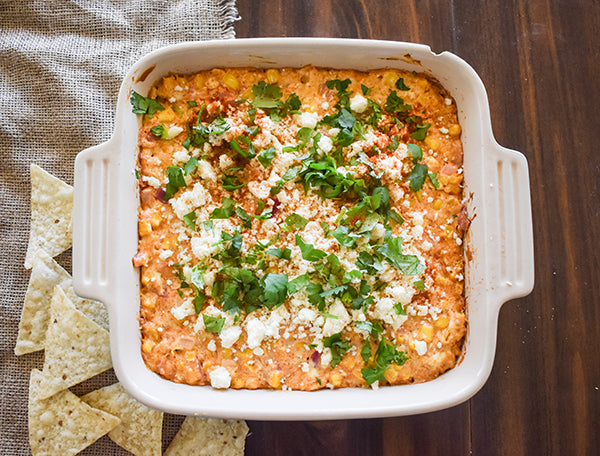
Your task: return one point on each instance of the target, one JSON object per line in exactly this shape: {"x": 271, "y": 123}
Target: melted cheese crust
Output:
{"x": 285, "y": 347}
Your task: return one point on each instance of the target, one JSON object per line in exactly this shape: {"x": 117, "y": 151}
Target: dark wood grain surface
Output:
{"x": 540, "y": 63}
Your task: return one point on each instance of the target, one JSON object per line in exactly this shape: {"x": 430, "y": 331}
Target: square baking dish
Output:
{"x": 499, "y": 243}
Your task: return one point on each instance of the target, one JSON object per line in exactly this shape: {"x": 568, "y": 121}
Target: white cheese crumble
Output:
{"x": 184, "y": 310}
{"x": 420, "y": 347}
{"x": 335, "y": 325}
{"x": 309, "y": 119}
{"x": 358, "y": 103}
{"x": 220, "y": 378}
{"x": 152, "y": 181}
{"x": 230, "y": 335}
{"x": 325, "y": 144}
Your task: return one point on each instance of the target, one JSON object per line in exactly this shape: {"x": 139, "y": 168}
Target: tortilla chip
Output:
{"x": 45, "y": 275}
{"x": 140, "y": 431}
{"x": 51, "y": 215}
{"x": 209, "y": 437}
{"x": 63, "y": 424}
{"x": 76, "y": 347}
{"x": 94, "y": 310}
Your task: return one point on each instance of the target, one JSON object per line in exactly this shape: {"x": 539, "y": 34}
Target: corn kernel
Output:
{"x": 231, "y": 81}
{"x": 454, "y": 130}
{"x": 144, "y": 227}
{"x": 426, "y": 333}
{"x": 146, "y": 276}
{"x": 167, "y": 115}
{"x": 189, "y": 356}
{"x": 148, "y": 303}
{"x": 275, "y": 381}
{"x": 227, "y": 353}
{"x": 441, "y": 280}
{"x": 437, "y": 205}
{"x": 390, "y": 78}
{"x": 272, "y": 76}
{"x": 335, "y": 379}
{"x": 167, "y": 86}
{"x": 411, "y": 345}
{"x": 441, "y": 322}
{"x": 248, "y": 94}
{"x": 155, "y": 219}
{"x": 432, "y": 143}
{"x": 237, "y": 382}
{"x": 419, "y": 195}
{"x": 199, "y": 81}
{"x": 147, "y": 346}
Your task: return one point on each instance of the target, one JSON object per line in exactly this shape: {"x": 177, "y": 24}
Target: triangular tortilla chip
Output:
{"x": 76, "y": 347}
{"x": 45, "y": 275}
{"x": 63, "y": 424}
{"x": 51, "y": 215}
{"x": 140, "y": 431}
{"x": 94, "y": 310}
{"x": 209, "y": 437}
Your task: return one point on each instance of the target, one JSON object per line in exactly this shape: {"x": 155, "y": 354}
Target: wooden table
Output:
{"x": 540, "y": 63}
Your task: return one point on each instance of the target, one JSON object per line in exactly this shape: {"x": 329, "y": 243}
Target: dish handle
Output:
{"x": 511, "y": 231}
{"x": 91, "y": 206}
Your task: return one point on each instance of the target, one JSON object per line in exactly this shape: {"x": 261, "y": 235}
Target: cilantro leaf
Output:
{"x": 337, "y": 346}
{"x": 399, "y": 309}
{"x": 415, "y": 152}
{"x": 400, "y": 84}
{"x": 298, "y": 283}
{"x": 199, "y": 301}
{"x": 244, "y": 217}
{"x": 384, "y": 356}
{"x": 265, "y": 95}
{"x": 365, "y": 351}
{"x": 417, "y": 177}
{"x": 419, "y": 285}
{"x": 160, "y": 131}
{"x": 421, "y": 132}
{"x": 190, "y": 166}
{"x": 365, "y": 90}
{"x": 309, "y": 252}
{"x": 197, "y": 278}
{"x": 434, "y": 180}
{"x": 213, "y": 324}
{"x": 231, "y": 180}
{"x": 275, "y": 289}
{"x": 143, "y": 105}
{"x": 277, "y": 252}
{"x": 175, "y": 182}
{"x": 243, "y": 146}
{"x": 295, "y": 221}
{"x": 392, "y": 251}
{"x": 395, "y": 104}
{"x": 224, "y": 212}
{"x": 266, "y": 157}
{"x": 190, "y": 220}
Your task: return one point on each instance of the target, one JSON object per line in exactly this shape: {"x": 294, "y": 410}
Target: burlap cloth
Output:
{"x": 61, "y": 65}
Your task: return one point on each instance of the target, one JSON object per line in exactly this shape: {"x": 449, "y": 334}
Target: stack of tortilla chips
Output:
{"x": 74, "y": 334}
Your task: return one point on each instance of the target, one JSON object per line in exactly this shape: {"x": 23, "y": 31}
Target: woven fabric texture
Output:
{"x": 61, "y": 65}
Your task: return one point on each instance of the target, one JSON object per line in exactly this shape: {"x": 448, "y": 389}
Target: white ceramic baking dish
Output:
{"x": 500, "y": 240}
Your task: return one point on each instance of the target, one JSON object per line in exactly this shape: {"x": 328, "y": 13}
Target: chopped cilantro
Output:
{"x": 421, "y": 132}
{"x": 298, "y": 283}
{"x": 143, "y": 105}
{"x": 224, "y": 212}
{"x": 419, "y": 284}
{"x": 284, "y": 253}
{"x": 265, "y": 95}
{"x": 395, "y": 104}
{"x": 309, "y": 252}
{"x": 266, "y": 157}
{"x": 198, "y": 301}
{"x": 231, "y": 180}
{"x": 275, "y": 289}
{"x": 392, "y": 251}
{"x": 190, "y": 220}
{"x": 244, "y": 217}
{"x": 213, "y": 324}
{"x": 434, "y": 180}
{"x": 192, "y": 104}
{"x": 295, "y": 221}
{"x": 160, "y": 131}
{"x": 415, "y": 152}
{"x": 190, "y": 166}
{"x": 365, "y": 90}
{"x": 243, "y": 146}
{"x": 175, "y": 182}
{"x": 417, "y": 177}
{"x": 384, "y": 356}
{"x": 337, "y": 346}
{"x": 400, "y": 84}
